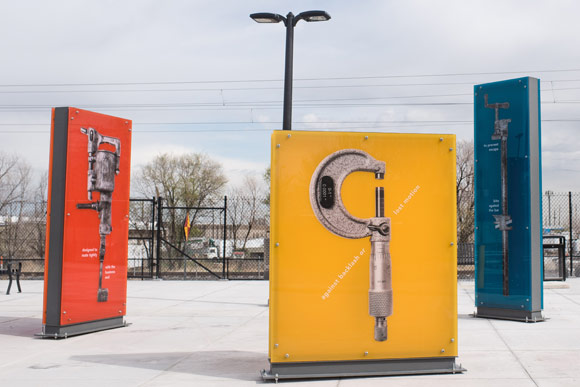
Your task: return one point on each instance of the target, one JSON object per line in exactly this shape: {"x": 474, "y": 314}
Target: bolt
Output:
{"x": 366, "y": 353}
{"x": 277, "y": 145}
{"x": 475, "y": 93}
{"x": 277, "y": 244}
{"x": 126, "y": 122}
{"x": 68, "y": 214}
{"x": 287, "y": 356}
{"x": 522, "y": 306}
{"x": 527, "y": 299}
{"x": 366, "y": 137}
{"x": 450, "y": 149}
{"x": 476, "y": 161}
{"x": 452, "y": 340}
{"x": 440, "y": 138}
{"x": 77, "y": 112}
{"x": 275, "y": 345}
{"x": 288, "y": 136}
{"x": 451, "y": 244}
{"x": 64, "y": 312}
{"x": 120, "y": 312}
{"x": 526, "y": 156}
{"x": 525, "y": 86}
{"x": 442, "y": 350}
{"x": 520, "y": 81}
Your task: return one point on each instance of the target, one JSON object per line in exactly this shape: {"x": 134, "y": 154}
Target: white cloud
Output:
{"x": 82, "y": 41}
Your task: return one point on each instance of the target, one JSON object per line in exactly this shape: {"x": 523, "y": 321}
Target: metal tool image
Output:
{"x": 103, "y": 167}
{"x": 326, "y": 201}
{"x": 502, "y": 222}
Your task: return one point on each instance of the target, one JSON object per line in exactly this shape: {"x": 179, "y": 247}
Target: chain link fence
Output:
{"x": 22, "y": 236}
{"x": 561, "y": 232}
{"x": 226, "y": 240}
{"x": 234, "y": 243}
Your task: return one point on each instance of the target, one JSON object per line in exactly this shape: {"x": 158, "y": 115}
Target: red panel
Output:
{"x": 81, "y": 263}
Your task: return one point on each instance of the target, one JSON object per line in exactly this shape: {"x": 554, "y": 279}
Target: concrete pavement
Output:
{"x": 215, "y": 333}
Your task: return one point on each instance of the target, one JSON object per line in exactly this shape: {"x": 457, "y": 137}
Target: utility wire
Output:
{"x": 221, "y": 89}
{"x": 280, "y": 80}
{"x": 343, "y": 124}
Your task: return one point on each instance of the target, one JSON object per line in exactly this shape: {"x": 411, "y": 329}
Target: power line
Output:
{"x": 241, "y": 107}
{"x": 280, "y": 80}
{"x": 342, "y": 123}
{"x": 218, "y": 89}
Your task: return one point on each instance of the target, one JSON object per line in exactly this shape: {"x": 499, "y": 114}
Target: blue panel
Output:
{"x": 512, "y": 211}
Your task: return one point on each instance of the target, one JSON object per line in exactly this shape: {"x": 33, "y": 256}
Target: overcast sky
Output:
{"x": 201, "y": 76}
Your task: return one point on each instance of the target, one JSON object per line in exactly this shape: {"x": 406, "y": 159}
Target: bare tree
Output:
{"x": 38, "y": 218}
{"x": 267, "y": 180}
{"x": 246, "y": 204}
{"x": 465, "y": 192}
{"x": 15, "y": 174}
{"x": 189, "y": 180}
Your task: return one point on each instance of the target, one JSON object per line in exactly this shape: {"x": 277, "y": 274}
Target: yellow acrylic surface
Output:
{"x": 318, "y": 308}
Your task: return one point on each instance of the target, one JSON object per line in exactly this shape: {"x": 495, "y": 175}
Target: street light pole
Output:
{"x": 288, "y": 77}
{"x": 289, "y": 21}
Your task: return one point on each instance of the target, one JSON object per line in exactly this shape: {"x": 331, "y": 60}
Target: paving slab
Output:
{"x": 215, "y": 333}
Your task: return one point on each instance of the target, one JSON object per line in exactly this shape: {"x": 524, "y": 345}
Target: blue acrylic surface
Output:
{"x": 488, "y": 239}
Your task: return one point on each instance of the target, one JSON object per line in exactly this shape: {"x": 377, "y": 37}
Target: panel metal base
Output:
{"x": 64, "y": 331}
{"x": 334, "y": 369}
{"x": 510, "y": 314}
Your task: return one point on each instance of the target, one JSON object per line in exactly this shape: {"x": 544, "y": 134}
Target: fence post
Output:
{"x": 570, "y": 244}
{"x": 225, "y": 237}
{"x": 159, "y": 225}
{"x": 153, "y": 201}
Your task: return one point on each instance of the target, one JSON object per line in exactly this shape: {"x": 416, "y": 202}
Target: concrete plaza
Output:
{"x": 215, "y": 333}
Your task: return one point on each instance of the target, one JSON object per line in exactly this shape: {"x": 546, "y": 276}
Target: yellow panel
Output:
{"x": 319, "y": 308}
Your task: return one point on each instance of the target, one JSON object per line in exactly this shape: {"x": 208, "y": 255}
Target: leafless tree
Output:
{"x": 465, "y": 192}
{"x": 189, "y": 180}
{"x": 246, "y": 209}
{"x": 267, "y": 180}
{"x": 15, "y": 176}
{"x": 38, "y": 218}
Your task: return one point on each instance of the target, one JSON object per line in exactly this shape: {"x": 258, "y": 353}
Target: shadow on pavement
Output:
{"x": 20, "y": 326}
{"x": 240, "y": 365}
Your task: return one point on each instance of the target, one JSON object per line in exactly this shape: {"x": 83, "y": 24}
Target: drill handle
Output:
{"x": 88, "y": 206}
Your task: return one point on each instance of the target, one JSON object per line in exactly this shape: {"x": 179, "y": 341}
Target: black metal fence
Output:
{"x": 228, "y": 239}
{"x": 22, "y": 236}
{"x": 225, "y": 239}
{"x": 561, "y": 222}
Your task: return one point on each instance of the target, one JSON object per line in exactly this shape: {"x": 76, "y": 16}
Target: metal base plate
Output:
{"x": 510, "y": 314}
{"x": 64, "y": 331}
{"x": 353, "y": 368}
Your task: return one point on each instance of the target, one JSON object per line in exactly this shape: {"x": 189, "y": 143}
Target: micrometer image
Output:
{"x": 502, "y": 222}
{"x": 103, "y": 167}
{"x": 326, "y": 201}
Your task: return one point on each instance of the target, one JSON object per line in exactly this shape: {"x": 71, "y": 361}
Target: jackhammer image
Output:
{"x": 103, "y": 166}
{"x": 326, "y": 201}
{"x": 502, "y": 222}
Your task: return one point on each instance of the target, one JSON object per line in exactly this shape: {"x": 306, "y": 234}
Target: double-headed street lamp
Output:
{"x": 289, "y": 21}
